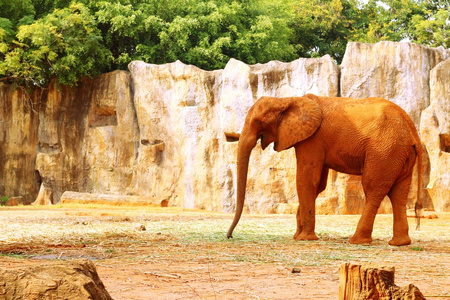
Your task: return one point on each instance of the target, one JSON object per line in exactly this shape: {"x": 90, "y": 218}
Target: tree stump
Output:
{"x": 357, "y": 283}
{"x": 77, "y": 279}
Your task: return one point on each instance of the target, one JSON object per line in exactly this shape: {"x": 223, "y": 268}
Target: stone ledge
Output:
{"x": 70, "y": 197}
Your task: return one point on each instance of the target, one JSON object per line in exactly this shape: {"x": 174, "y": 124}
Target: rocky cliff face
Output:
{"x": 188, "y": 120}
{"x": 88, "y": 137}
{"x": 18, "y": 143}
{"x": 170, "y": 131}
{"x": 435, "y": 134}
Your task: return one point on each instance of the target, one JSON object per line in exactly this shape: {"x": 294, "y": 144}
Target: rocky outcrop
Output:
{"x": 189, "y": 119}
{"x": 76, "y": 279}
{"x": 399, "y": 72}
{"x": 108, "y": 199}
{"x": 19, "y": 123}
{"x": 87, "y": 138}
{"x": 435, "y": 134}
{"x": 170, "y": 131}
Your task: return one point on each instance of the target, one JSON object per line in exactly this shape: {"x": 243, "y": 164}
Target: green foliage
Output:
{"x": 6, "y": 34}
{"x": 205, "y": 34}
{"x": 65, "y": 44}
{"x": 425, "y": 22}
{"x": 324, "y": 27}
{"x": 14, "y": 10}
{"x": 66, "y": 40}
{"x": 390, "y": 20}
{"x": 417, "y": 248}
{"x": 433, "y": 28}
{"x": 3, "y": 200}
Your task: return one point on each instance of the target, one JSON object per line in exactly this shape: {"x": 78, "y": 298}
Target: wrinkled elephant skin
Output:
{"x": 371, "y": 137}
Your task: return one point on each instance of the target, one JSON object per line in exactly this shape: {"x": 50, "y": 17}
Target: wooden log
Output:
{"x": 357, "y": 283}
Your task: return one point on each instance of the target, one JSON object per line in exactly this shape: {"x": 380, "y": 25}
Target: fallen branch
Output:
{"x": 163, "y": 275}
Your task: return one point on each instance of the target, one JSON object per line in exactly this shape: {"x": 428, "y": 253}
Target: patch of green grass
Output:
{"x": 3, "y": 200}
{"x": 417, "y": 248}
{"x": 16, "y": 255}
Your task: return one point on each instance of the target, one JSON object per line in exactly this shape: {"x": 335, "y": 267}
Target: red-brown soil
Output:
{"x": 185, "y": 255}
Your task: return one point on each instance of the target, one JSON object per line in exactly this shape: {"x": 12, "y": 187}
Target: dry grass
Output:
{"x": 179, "y": 236}
{"x": 119, "y": 227}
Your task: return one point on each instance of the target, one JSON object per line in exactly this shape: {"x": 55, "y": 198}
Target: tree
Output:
{"x": 65, "y": 44}
{"x": 268, "y": 36}
{"x": 390, "y": 20}
{"x": 14, "y": 10}
{"x": 66, "y": 39}
{"x": 432, "y": 26}
{"x": 425, "y": 22}
{"x": 325, "y": 26}
{"x": 204, "y": 33}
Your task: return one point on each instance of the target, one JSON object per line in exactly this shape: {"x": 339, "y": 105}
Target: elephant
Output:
{"x": 371, "y": 137}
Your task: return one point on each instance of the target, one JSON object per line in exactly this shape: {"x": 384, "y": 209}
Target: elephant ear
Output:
{"x": 299, "y": 120}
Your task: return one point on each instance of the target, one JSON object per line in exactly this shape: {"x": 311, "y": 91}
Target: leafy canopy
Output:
{"x": 64, "y": 39}
{"x": 65, "y": 44}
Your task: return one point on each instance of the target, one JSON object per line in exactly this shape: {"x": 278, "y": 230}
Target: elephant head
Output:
{"x": 283, "y": 121}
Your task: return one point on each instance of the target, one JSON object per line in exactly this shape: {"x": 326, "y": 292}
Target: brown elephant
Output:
{"x": 372, "y": 137}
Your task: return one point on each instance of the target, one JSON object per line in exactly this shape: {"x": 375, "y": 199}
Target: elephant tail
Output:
{"x": 418, "y": 207}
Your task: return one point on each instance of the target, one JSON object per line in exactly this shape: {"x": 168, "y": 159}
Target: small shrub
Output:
{"x": 3, "y": 200}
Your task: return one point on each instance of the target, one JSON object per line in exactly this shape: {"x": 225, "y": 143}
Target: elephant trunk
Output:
{"x": 246, "y": 143}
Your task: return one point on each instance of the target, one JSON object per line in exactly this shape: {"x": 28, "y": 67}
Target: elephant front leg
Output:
{"x": 309, "y": 183}
{"x": 306, "y": 221}
{"x": 299, "y": 224}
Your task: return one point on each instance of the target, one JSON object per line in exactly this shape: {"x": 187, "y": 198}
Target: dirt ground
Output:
{"x": 144, "y": 253}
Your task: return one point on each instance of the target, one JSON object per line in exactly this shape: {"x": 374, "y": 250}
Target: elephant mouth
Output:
{"x": 275, "y": 146}
{"x": 264, "y": 143}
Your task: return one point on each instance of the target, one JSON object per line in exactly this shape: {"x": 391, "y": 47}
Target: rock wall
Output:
{"x": 19, "y": 123}
{"x": 88, "y": 137}
{"x": 169, "y": 131}
{"x": 435, "y": 134}
{"x": 188, "y": 120}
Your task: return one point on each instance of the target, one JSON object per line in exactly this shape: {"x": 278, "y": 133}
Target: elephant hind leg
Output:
{"x": 375, "y": 187}
{"x": 363, "y": 233}
{"x": 399, "y": 196}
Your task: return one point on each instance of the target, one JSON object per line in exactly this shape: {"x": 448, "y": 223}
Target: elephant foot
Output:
{"x": 360, "y": 240}
{"x": 400, "y": 241}
{"x": 305, "y": 236}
